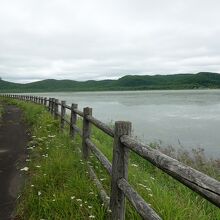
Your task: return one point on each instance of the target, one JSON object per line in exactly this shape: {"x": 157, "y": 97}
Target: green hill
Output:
{"x": 200, "y": 80}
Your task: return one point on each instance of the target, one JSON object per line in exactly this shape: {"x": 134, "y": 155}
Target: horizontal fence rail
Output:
{"x": 200, "y": 183}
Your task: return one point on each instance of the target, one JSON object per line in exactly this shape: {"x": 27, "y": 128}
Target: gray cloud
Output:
{"x": 99, "y": 39}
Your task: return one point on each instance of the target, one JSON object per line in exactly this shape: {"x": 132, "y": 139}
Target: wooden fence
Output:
{"x": 204, "y": 185}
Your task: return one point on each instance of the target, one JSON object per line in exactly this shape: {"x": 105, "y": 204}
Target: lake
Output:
{"x": 183, "y": 118}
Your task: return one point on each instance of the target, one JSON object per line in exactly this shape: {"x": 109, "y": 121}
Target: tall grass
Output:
{"x": 58, "y": 187}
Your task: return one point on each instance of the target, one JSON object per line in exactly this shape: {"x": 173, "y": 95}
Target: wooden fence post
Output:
{"x": 49, "y": 105}
{"x": 45, "y": 101}
{"x": 56, "y": 108}
{"x": 63, "y": 112}
{"x": 86, "y": 132}
{"x": 52, "y": 105}
{"x": 119, "y": 170}
{"x": 73, "y": 119}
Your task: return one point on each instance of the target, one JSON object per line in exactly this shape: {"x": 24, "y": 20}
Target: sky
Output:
{"x": 99, "y": 39}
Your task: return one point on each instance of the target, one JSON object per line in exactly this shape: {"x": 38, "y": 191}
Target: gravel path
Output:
{"x": 13, "y": 139}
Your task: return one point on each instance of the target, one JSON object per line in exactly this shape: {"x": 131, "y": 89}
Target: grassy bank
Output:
{"x": 58, "y": 187}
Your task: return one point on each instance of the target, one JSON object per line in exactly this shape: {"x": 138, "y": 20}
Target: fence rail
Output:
{"x": 204, "y": 185}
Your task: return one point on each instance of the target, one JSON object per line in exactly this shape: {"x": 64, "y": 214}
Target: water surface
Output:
{"x": 185, "y": 118}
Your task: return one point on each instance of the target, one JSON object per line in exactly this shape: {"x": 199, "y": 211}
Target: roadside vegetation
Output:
{"x": 58, "y": 186}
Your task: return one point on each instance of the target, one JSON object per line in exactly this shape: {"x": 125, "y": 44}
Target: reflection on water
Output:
{"x": 190, "y": 117}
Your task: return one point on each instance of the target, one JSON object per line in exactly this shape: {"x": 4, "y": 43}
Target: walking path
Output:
{"x": 13, "y": 139}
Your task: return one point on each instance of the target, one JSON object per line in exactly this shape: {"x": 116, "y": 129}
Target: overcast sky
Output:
{"x": 97, "y": 39}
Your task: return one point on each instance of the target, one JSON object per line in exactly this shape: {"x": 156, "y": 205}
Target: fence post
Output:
{"x": 49, "y": 105}
{"x": 45, "y": 101}
{"x": 119, "y": 170}
{"x": 86, "y": 132}
{"x": 63, "y": 112}
{"x": 52, "y": 105}
{"x": 56, "y": 108}
{"x": 73, "y": 119}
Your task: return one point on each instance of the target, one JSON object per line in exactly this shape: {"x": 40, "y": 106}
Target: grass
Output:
{"x": 58, "y": 187}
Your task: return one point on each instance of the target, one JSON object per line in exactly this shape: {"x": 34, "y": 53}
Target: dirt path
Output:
{"x": 13, "y": 139}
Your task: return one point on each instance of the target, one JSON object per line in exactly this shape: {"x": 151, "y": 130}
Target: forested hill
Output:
{"x": 200, "y": 80}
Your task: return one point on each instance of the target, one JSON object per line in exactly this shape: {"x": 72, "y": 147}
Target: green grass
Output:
{"x": 57, "y": 173}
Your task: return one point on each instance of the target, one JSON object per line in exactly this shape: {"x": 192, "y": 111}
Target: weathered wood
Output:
{"x": 49, "y": 105}
{"x": 86, "y": 132}
{"x": 100, "y": 156}
{"x": 73, "y": 120}
{"x": 68, "y": 107}
{"x": 102, "y": 193}
{"x": 145, "y": 211}
{"x": 45, "y": 101}
{"x": 105, "y": 128}
{"x": 63, "y": 112}
{"x": 206, "y": 186}
{"x": 52, "y": 106}
{"x": 119, "y": 170}
{"x": 78, "y": 130}
{"x": 56, "y": 108}
{"x": 79, "y": 112}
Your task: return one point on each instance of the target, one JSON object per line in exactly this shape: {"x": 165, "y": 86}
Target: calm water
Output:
{"x": 188, "y": 119}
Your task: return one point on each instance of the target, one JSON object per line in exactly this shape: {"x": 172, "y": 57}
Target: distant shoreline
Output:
{"x": 199, "y": 81}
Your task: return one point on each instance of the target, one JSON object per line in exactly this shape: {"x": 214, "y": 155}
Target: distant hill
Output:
{"x": 200, "y": 80}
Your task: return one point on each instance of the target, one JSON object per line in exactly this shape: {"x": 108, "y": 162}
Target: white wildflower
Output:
{"x": 91, "y": 216}
{"x": 79, "y": 200}
{"x": 24, "y": 169}
{"x": 140, "y": 184}
{"x": 39, "y": 193}
{"x": 72, "y": 197}
{"x": 134, "y": 165}
{"x": 150, "y": 195}
{"x": 89, "y": 206}
{"x": 51, "y": 136}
